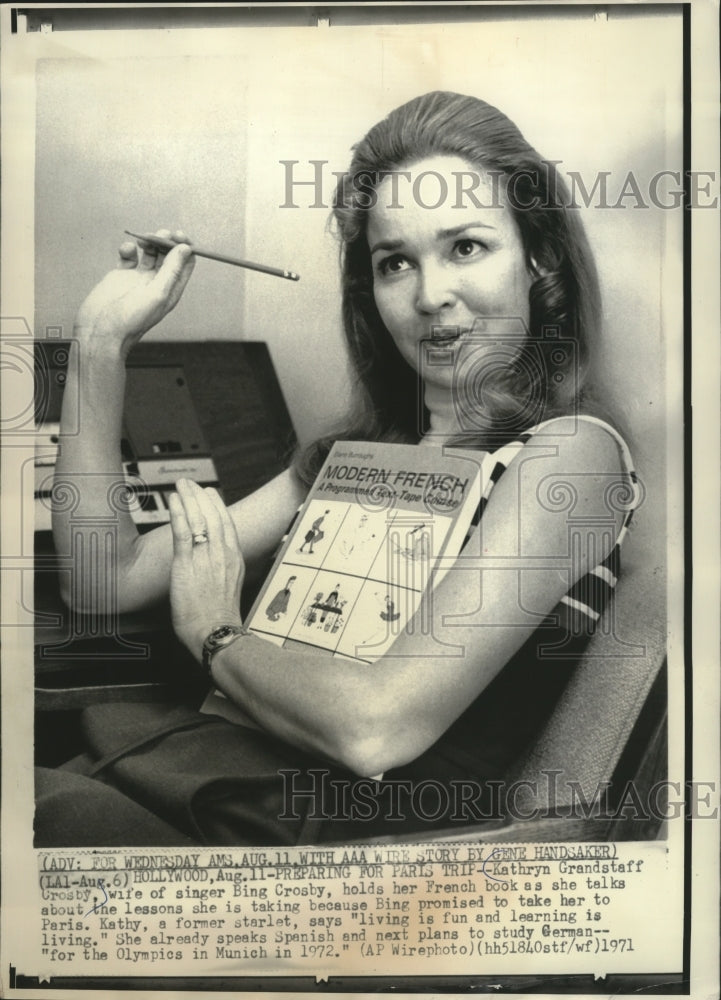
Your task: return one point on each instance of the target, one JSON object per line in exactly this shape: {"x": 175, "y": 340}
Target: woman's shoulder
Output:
{"x": 567, "y": 472}
{"x": 568, "y": 458}
{"x": 578, "y": 438}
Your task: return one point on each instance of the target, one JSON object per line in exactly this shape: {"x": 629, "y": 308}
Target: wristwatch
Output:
{"x": 219, "y": 638}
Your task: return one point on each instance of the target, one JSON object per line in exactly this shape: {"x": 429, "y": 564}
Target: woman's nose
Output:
{"x": 435, "y": 290}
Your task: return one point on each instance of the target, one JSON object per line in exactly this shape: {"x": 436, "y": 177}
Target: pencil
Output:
{"x": 163, "y": 244}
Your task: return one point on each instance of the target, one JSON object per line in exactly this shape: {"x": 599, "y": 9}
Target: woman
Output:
{"x": 470, "y": 322}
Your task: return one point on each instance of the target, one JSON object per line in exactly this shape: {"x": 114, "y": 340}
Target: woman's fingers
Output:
{"x": 149, "y": 254}
{"x": 152, "y": 256}
{"x": 128, "y": 252}
{"x": 230, "y": 535}
{"x": 175, "y": 265}
{"x": 175, "y": 272}
{"x": 203, "y": 515}
{"x": 182, "y": 535}
{"x": 206, "y": 511}
{"x": 191, "y": 497}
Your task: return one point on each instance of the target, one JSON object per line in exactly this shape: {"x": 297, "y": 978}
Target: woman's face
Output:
{"x": 450, "y": 266}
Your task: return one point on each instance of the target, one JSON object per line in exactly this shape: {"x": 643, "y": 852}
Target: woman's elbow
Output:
{"x": 366, "y": 757}
{"x": 83, "y": 599}
{"x": 379, "y": 742}
{"x": 95, "y": 582}
{"x": 85, "y": 593}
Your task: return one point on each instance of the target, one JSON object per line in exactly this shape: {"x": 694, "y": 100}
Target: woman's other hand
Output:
{"x": 208, "y": 567}
{"x": 145, "y": 287}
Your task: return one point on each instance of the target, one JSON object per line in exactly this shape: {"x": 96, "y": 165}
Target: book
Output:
{"x": 380, "y": 527}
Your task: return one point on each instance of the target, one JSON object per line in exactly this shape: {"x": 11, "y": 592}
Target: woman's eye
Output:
{"x": 468, "y": 248}
{"x": 394, "y": 264}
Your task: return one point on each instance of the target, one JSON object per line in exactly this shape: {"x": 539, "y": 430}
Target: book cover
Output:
{"x": 379, "y": 528}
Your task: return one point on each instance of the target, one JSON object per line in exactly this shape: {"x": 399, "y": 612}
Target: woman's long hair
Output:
{"x": 548, "y": 372}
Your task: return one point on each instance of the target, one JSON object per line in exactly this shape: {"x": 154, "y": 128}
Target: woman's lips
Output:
{"x": 443, "y": 345}
{"x": 445, "y": 334}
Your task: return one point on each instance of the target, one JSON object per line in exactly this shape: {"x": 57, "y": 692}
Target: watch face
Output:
{"x": 222, "y": 632}
{"x": 219, "y": 637}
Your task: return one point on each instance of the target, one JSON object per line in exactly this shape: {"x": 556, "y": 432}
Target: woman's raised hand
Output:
{"x": 137, "y": 294}
{"x": 208, "y": 567}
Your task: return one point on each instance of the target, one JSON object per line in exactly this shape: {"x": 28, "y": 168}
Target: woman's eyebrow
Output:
{"x": 440, "y": 234}
{"x": 455, "y": 230}
{"x": 387, "y": 245}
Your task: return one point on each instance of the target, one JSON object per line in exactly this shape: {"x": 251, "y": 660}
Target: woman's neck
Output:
{"x": 443, "y": 419}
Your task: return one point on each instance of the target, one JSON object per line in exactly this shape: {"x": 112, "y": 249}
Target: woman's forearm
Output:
{"x": 91, "y": 523}
{"x": 326, "y": 706}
